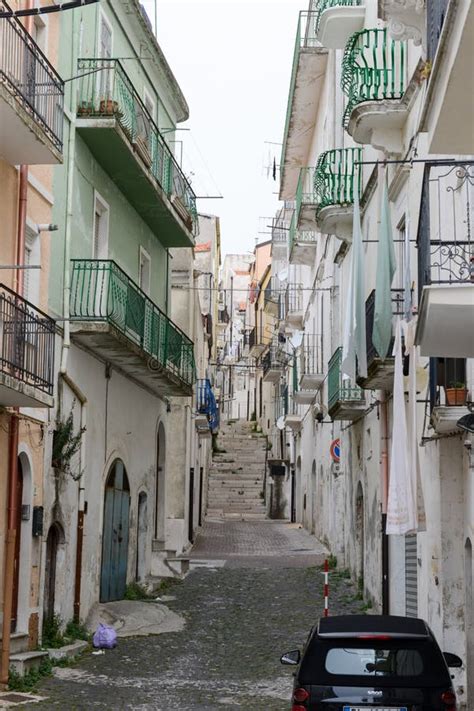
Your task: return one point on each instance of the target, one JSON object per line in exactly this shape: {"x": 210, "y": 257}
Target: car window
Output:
{"x": 374, "y": 662}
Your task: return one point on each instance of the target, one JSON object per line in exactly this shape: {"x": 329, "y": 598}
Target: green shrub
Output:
{"x": 31, "y": 679}
{"x": 52, "y": 636}
{"x": 76, "y": 630}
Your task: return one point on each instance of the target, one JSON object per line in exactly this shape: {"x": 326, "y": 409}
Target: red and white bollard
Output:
{"x": 326, "y": 588}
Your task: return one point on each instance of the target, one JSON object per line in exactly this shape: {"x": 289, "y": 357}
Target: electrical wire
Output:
{"x": 71, "y": 5}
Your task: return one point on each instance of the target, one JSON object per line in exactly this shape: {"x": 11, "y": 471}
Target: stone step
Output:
{"x": 236, "y": 515}
{"x": 22, "y": 662}
{"x": 236, "y": 485}
{"x": 19, "y": 642}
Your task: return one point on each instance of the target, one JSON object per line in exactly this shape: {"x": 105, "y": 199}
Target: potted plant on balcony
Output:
{"x": 85, "y": 108}
{"x": 109, "y": 107}
{"x": 456, "y": 394}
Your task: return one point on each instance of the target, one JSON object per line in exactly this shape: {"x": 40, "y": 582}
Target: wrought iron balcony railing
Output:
{"x": 311, "y": 358}
{"x": 397, "y": 310}
{"x": 26, "y": 342}
{"x": 435, "y": 15}
{"x": 297, "y": 236}
{"x": 272, "y": 292}
{"x": 105, "y": 90}
{"x": 373, "y": 69}
{"x": 337, "y": 176}
{"x": 273, "y": 359}
{"x": 293, "y": 298}
{"x": 340, "y": 389}
{"x": 319, "y": 6}
{"x": 30, "y": 78}
{"x": 101, "y": 291}
{"x": 305, "y": 189}
{"x": 206, "y": 402}
{"x": 446, "y": 225}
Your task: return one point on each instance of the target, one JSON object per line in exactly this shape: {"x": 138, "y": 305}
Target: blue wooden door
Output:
{"x": 115, "y": 535}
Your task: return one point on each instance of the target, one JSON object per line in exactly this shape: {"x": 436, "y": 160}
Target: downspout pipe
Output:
{"x": 384, "y": 472}
{"x": 13, "y": 434}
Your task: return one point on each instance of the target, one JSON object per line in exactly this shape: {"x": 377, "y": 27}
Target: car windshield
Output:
{"x": 374, "y": 662}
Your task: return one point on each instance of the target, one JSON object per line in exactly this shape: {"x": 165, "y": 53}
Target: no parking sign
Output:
{"x": 335, "y": 450}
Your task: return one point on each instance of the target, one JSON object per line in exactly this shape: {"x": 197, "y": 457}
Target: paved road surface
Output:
{"x": 253, "y": 593}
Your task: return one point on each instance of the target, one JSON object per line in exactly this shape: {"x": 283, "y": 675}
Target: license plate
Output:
{"x": 375, "y": 708}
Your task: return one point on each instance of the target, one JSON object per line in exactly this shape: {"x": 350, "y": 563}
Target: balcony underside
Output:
{"x": 379, "y": 123}
{"x": 304, "y": 103}
{"x": 257, "y": 349}
{"x": 311, "y": 381}
{"x": 16, "y": 393}
{"x": 294, "y": 422}
{"x": 273, "y": 374}
{"x": 346, "y": 410}
{"x": 294, "y": 320}
{"x": 111, "y": 346}
{"x": 338, "y": 23}
{"x": 444, "y": 418}
{"x": 303, "y": 253}
{"x": 22, "y": 138}
{"x": 336, "y": 220}
{"x": 304, "y": 397}
{"x": 307, "y": 216}
{"x": 271, "y": 307}
{"x": 379, "y": 375}
{"x": 111, "y": 147}
{"x": 446, "y": 321}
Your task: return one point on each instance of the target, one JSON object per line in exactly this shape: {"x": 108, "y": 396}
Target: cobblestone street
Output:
{"x": 253, "y": 592}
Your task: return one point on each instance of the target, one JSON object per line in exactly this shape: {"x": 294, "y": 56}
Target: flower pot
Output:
{"x": 85, "y": 108}
{"x": 455, "y": 396}
{"x": 108, "y": 107}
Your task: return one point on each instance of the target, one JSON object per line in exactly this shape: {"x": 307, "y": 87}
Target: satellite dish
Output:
{"x": 283, "y": 275}
{"x": 297, "y": 339}
{"x": 280, "y": 423}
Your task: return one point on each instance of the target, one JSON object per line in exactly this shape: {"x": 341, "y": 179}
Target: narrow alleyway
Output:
{"x": 254, "y": 591}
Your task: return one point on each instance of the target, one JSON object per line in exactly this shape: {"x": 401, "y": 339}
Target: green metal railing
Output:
{"x": 305, "y": 39}
{"x": 373, "y": 69}
{"x": 101, "y": 291}
{"x": 340, "y": 389}
{"x": 319, "y": 6}
{"x": 296, "y": 236}
{"x": 105, "y": 90}
{"x": 337, "y": 176}
{"x": 305, "y": 189}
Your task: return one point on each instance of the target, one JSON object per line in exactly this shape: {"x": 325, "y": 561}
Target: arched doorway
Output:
{"x": 360, "y": 536}
{"x": 160, "y": 480}
{"x": 17, "y": 559}
{"x": 299, "y": 492}
{"x": 142, "y": 530}
{"x": 55, "y": 537}
{"x": 113, "y": 577}
{"x": 469, "y": 621}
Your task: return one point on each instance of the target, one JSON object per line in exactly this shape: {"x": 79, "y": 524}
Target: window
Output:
{"x": 101, "y": 228}
{"x": 105, "y": 38}
{"x": 32, "y": 256}
{"x": 349, "y": 661}
{"x": 144, "y": 271}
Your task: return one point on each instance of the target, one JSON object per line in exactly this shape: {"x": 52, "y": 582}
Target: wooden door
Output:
{"x": 16, "y": 563}
{"x": 115, "y": 535}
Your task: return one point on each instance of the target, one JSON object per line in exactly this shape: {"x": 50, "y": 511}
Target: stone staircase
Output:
{"x": 236, "y": 477}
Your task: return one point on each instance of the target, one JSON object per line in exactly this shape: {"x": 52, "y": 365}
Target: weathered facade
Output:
{"x": 31, "y": 143}
{"x": 334, "y": 435}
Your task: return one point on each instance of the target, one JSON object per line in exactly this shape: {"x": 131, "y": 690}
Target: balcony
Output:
{"x": 272, "y": 365}
{"x": 306, "y": 200}
{"x": 116, "y": 321}
{"x": 446, "y": 262}
{"x": 280, "y": 228}
{"x": 345, "y": 400}
{"x": 123, "y": 137}
{"x": 256, "y": 342}
{"x": 31, "y": 99}
{"x": 271, "y": 297}
{"x": 337, "y": 176}
{"x": 293, "y": 308}
{"x": 207, "y": 414}
{"x": 380, "y": 371}
{"x": 337, "y": 20}
{"x": 448, "y": 393}
{"x": 302, "y": 245}
{"x": 26, "y": 353}
{"x": 374, "y": 80}
{"x": 306, "y": 85}
{"x": 311, "y": 369}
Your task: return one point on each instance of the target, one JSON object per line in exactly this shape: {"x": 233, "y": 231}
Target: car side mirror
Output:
{"x": 452, "y": 660}
{"x": 292, "y": 658}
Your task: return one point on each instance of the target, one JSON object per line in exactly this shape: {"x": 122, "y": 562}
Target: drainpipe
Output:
{"x": 384, "y": 498}
{"x": 13, "y": 437}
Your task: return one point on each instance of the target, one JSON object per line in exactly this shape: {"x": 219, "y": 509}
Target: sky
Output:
{"x": 232, "y": 60}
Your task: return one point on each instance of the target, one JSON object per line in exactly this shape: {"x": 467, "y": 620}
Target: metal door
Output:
{"x": 115, "y": 534}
